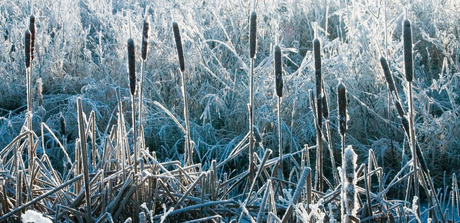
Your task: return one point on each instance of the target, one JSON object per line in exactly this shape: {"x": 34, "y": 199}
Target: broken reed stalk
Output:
{"x": 84, "y": 157}
{"x": 349, "y": 188}
{"x": 252, "y": 54}
{"x": 145, "y": 37}
{"x": 408, "y": 64}
{"x": 279, "y": 92}
{"x": 319, "y": 115}
{"x": 132, "y": 87}
{"x": 180, "y": 52}
{"x": 298, "y": 191}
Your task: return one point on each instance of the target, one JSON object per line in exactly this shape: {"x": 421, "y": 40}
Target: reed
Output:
{"x": 252, "y": 54}
{"x": 132, "y": 87}
{"x": 180, "y": 53}
{"x": 319, "y": 115}
{"x": 279, "y": 92}
{"x": 84, "y": 158}
{"x": 408, "y": 65}
{"x": 145, "y": 37}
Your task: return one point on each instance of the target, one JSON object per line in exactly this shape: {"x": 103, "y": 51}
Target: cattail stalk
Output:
{"x": 132, "y": 86}
{"x": 145, "y": 37}
{"x": 319, "y": 115}
{"x": 408, "y": 64}
{"x": 279, "y": 92}
{"x": 180, "y": 53}
{"x": 252, "y": 52}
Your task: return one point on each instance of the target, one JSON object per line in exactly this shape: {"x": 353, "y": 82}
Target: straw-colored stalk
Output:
{"x": 84, "y": 158}
{"x": 180, "y": 52}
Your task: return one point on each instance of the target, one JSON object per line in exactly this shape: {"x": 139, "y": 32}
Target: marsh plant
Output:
{"x": 195, "y": 140}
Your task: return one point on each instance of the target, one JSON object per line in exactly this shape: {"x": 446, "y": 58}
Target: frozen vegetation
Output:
{"x": 114, "y": 111}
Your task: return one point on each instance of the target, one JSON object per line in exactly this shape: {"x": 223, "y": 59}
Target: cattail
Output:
{"x": 132, "y": 66}
{"x": 407, "y": 36}
{"x": 253, "y": 35}
{"x": 27, "y": 48}
{"x": 180, "y": 51}
{"x": 145, "y": 37}
{"x": 388, "y": 76}
{"x": 317, "y": 53}
{"x": 342, "y": 108}
{"x": 32, "y": 36}
{"x": 278, "y": 72}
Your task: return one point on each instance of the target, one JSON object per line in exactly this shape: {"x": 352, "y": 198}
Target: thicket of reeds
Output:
{"x": 112, "y": 175}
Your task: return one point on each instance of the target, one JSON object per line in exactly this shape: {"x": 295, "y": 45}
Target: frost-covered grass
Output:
{"x": 80, "y": 52}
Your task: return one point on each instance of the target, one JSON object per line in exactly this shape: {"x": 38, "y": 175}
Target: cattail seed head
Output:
{"x": 132, "y": 66}
{"x": 342, "y": 100}
{"x": 253, "y": 35}
{"x": 319, "y": 104}
{"x": 32, "y": 36}
{"x": 387, "y": 73}
{"x": 278, "y": 72}
{"x": 145, "y": 37}
{"x": 180, "y": 50}
{"x": 407, "y": 37}
{"x": 349, "y": 181}
{"x": 27, "y": 48}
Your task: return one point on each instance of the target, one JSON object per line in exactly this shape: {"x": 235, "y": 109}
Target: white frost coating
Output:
{"x": 348, "y": 172}
{"x": 33, "y": 216}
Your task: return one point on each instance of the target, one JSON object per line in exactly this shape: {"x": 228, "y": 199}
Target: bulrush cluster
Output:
{"x": 180, "y": 53}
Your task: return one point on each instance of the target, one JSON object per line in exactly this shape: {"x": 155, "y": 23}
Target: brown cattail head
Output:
{"x": 27, "y": 48}
{"x": 32, "y": 36}
{"x": 319, "y": 104}
{"x": 180, "y": 51}
{"x": 145, "y": 37}
{"x": 342, "y": 97}
{"x": 407, "y": 36}
{"x": 388, "y": 76}
{"x": 278, "y": 72}
{"x": 253, "y": 35}
{"x": 132, "y": 66}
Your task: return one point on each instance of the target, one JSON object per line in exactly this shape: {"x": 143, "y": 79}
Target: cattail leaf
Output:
{"x": 253, "y": 35}
{"x": 278, "y": 72}
{"x": 342, "y": 101}
{"x": 388, "y": 76}
{"x": 324, "y": 101}
{"x": 180, "y": 51}
{"x": 32, "y": 36}
{"x": 145, "y": 37}
{"x": 27, "y": 48}
{"x": 132, "y": 66}
{"x": 63, "y": 125}
{"x": 407, "y": 36}
{"x": 399, "y": 108}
